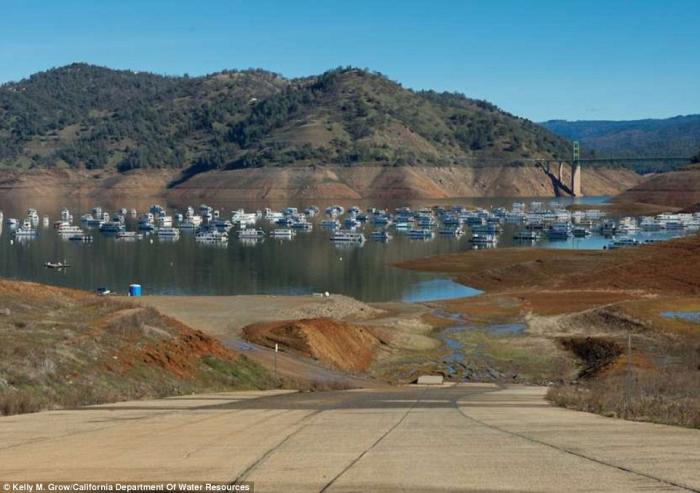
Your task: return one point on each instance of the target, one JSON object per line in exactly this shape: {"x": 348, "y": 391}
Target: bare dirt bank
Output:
{"x": 311, "y": 183}
{"x": 677, "y": 190}
{"x": 668, "y": 267}
{"x": 354, "y": 183}
{"x": 340, "y": 344}
{"x": 54, "y": 185}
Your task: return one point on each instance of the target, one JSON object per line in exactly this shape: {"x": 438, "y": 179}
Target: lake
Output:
{"x": 309, "y": 263}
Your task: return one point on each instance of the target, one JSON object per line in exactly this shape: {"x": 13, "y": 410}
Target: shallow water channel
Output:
{"x": 458, "y": 365}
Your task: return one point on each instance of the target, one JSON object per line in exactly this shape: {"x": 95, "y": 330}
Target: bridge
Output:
{"x": 557, "y": 170}
{"x": 566, "y": 174}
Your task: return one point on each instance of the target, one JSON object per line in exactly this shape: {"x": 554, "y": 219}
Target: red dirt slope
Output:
{"x": 339, "y": 344}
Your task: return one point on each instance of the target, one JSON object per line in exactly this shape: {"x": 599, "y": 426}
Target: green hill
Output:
{"x": 93, "y": 117}
{"x": 678, "y": 136}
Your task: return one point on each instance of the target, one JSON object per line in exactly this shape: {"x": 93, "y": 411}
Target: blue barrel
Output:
{"x": 134, "y": 290}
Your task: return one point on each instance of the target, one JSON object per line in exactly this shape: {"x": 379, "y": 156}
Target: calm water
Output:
{"x": 309, "y": 263}
{"x": 687, "y": 316}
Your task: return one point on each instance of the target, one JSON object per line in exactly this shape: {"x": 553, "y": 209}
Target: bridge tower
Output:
{"x": 576, "y": 171}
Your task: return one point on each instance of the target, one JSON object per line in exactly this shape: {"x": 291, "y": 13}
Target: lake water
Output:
{"x": 687, "y": 316}
{"x": 309, "y": 263}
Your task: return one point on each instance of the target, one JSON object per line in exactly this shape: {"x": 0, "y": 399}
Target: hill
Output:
{"x": 84, "y": 116}
{"x": 678, "y": 136}
{"x": 65, "y": 348}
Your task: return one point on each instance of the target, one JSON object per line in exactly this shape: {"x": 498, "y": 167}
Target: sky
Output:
{"x": 540, "y": 59}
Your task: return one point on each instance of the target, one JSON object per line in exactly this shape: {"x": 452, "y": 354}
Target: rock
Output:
{"x": 5, "y": 311}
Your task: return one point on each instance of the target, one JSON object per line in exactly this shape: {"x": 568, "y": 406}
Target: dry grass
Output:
{"x": 666, "y": 396}
{"x": 64, "y": 348}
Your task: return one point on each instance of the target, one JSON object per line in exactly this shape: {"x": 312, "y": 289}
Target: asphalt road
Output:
{"x": 417, "y": 439}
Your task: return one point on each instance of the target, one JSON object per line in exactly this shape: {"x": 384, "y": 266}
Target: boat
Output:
{"x": 451, "y": 230}
{"x": 421, "y": 234}
{"x": 282, "y": 233}
{"x": 26, "y": 230}
{"x": 351, "y": 222}
{"x": 170, "y": 233}
{"x": 111, "y": 227}
{"x": 559, "y": 231}
{"x": 330, "y": 224}
{"x": 128, "y": 235}
{"x": 211, "y": 237}
{"x": 66, "y": 229}
{"x": 526, "y": 235}
{"x": 483, "y": 239}
{"x": 622, "y": 243}
{"x": 581, "y": 232}
{"x": 251, "y": 234}
{"x": 608, "y": 228}
{"x": 302, "y": 226}
{"x": 347, "y": 237}
{"x": 380, "y": 236}
{"x": 85, "y": 238}
{"x": 165, "y": 221}
{"x": 57, "y": 265}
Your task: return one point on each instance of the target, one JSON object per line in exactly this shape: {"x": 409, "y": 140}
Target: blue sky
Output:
{"x": 595, "y": 59}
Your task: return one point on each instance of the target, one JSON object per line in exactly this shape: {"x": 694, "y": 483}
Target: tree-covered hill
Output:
{"x": 678, "y": 136}
{"x": 86, "y": 116}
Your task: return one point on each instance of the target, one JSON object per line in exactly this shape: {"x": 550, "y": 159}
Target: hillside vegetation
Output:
{"x": 64, "y": 348}
{"x": 83, "y": 116}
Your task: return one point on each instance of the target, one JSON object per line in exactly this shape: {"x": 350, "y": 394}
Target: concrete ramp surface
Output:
{"x": 475, "y": 437}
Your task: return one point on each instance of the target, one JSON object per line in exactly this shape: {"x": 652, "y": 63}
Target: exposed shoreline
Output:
{"x": 311, "y": 183}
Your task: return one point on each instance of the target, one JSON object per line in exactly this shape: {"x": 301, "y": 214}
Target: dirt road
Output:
{"x": 459, "y": 438}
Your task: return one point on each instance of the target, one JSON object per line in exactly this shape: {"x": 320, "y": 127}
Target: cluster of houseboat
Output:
{"x": 531, "y": 222}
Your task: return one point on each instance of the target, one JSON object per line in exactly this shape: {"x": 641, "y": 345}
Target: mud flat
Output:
{"x": 589, "y": 305}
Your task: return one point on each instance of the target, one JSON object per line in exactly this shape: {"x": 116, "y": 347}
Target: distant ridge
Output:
{"x": 678, "y": 136}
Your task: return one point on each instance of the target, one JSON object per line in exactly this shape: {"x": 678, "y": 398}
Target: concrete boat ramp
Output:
{"x": 438, "y": 438}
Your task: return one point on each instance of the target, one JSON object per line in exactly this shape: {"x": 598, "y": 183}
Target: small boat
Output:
{"x": 57, "y": 265}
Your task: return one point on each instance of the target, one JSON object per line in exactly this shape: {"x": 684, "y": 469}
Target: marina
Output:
{"x": 295, "y": 250}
